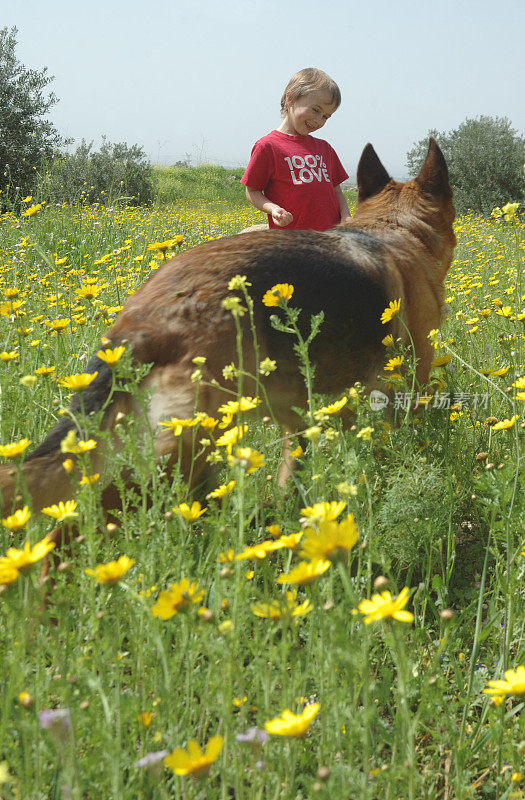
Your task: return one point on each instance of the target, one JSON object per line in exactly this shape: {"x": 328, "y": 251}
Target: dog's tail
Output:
{"x": 42, "y": 479}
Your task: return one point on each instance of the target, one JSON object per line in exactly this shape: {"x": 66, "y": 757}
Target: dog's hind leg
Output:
{"x": 42, "y": 479}
{"x": 288, "y": 464}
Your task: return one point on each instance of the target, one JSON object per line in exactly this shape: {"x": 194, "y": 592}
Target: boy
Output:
{"x": 292, "y": 176}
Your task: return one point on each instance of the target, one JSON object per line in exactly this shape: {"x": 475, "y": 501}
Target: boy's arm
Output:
{"x": 280, "y": 216}
{"x": 343, "y": 205}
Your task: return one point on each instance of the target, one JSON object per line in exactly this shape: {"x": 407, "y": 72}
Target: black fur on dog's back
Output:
{"x": 332, "y": 280}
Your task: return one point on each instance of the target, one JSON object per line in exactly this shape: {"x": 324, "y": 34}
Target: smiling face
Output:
{"x": 308, "y": 113}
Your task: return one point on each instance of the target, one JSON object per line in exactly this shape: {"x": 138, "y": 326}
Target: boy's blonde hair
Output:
{"x": 309, "y": 80}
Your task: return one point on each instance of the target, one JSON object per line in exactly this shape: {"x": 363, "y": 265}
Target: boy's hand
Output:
{"x": 281, "y": 217}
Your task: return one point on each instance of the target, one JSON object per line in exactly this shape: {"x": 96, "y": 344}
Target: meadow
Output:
{"x": 357, "y": 636}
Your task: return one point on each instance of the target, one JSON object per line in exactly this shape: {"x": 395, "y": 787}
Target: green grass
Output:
{"x": 402, "y": 710}
{"x": 205, "y": 182}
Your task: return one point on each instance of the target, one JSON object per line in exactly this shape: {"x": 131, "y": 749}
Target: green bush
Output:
{"x": 115, "y": 172}
{"x": 485, "y": 159}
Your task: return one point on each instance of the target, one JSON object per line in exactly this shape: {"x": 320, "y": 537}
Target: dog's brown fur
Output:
{"x": 398, "y": 245}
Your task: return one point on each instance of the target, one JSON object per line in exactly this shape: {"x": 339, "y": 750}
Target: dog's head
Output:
{"x": 424, "y": 202}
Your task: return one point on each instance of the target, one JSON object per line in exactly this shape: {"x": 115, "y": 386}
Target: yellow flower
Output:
{"x": 177, "y": 598}
{"x": 394, "y": 363}
{"x": 32, "y": 210}
{"x": 45, "y": 370}
{"x": 208, "y": 423}
{"x": 333, "y": 541}
{"x": 433, "y": 335}
{"x": 169, "y": 244}
{"x": 20, "y": 559}
{"x": 58, "y": 325}
{"x": 146, "y": 718}
{"x": 111, "y": 356}
{"x": 441, "y": 361}
{"x": 313, "y": 433}
{"x": 89, "y": 480}
{"x": 4, "y": 356}
{"x": 25, "y": 699}
{"x": 383, "y": 605}
{"x": 305, "y": 572}
{"x": 498, "y": 699}
{"x": 111, "y": 572}
{"x": 324, "y": 511}
{"x": 333, "y": 408}
{"x": 62, "y": 512}
{"x": 14, "y": 449}
{"x": 505, "y": 424}
{"x": 350, "y": 489}
{"x": 221, "y": 491}
{"x": 70, "y": 444}
{"x": 267, "y": 366}
{"x": 78, "y": 383}
{"x": 514, "y": 683}
{"x": 391, "y": 311}
{"x": 8, "y": 572}
{"x": 388, "y": 340}
{"x": 498, "y": 373}
{"x": 178, "y": 425}
{"x": 281, "y": 291}
{"x": 259, "y": 551}
{"x": 365, "y": 434}
{"x": 297, "y": 453}
{"x": 250, "y": 460}
{"x": 194, "y": 761}
{"x": 17, "y": 520}
{"x": 89, "y": 292}
{"x": 289, "y": 724}
{"x": 190, "y": 513}
{"x": 291, "y": 541}
{"x": 230, "y": 438}
{"x": 232, "y": 407}
{"x": 285, "y": 607}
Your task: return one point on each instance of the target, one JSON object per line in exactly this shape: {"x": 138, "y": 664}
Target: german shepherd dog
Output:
{"x": 399, "y": 245}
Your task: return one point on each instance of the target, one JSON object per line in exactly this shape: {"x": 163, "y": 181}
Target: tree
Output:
{"x": 26, "y": 136}
{"x": 485, "y": 158}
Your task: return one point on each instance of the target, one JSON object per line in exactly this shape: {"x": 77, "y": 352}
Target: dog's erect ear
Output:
{"x": 372, "y": 177}
{"x": 433, "y": 177}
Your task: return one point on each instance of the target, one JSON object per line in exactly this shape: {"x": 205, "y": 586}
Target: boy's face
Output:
{"x": 309, "y": 112}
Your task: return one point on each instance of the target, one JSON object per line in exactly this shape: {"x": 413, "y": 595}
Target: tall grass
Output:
{"x": 435, "y": 498}
{"x": 206, "y": 182}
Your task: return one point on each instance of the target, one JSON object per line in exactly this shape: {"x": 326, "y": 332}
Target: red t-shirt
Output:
{"x": 298, "y": 173}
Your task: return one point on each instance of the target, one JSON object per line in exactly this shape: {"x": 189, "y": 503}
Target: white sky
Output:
{"x": 205, "y": 78}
